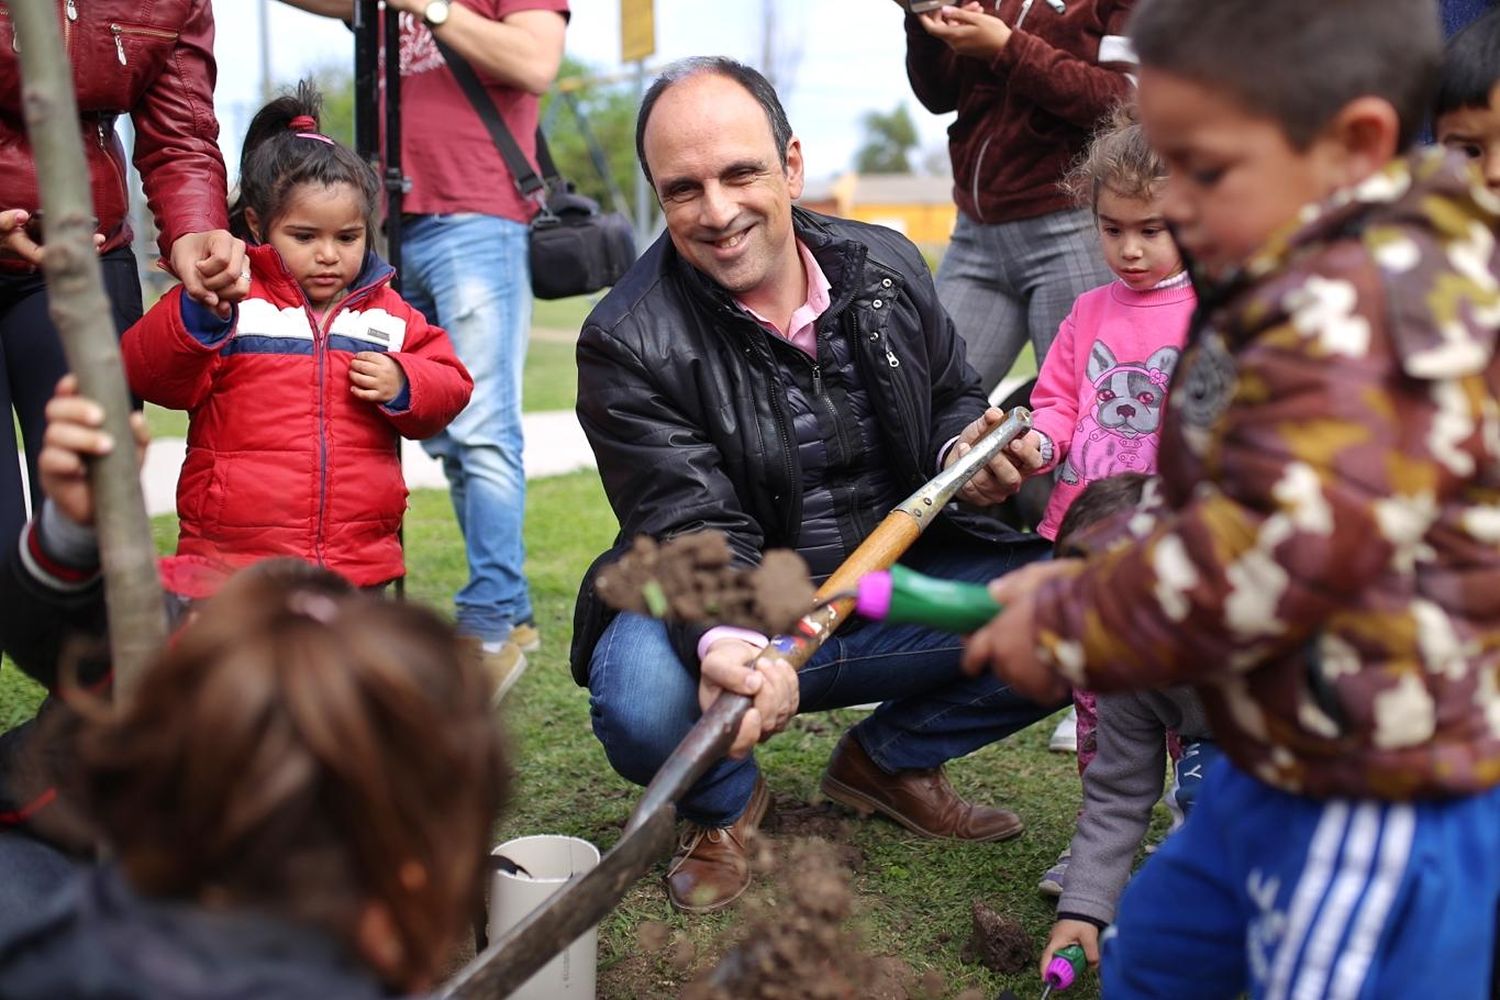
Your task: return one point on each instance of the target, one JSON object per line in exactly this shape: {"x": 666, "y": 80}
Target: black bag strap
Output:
{"x": 544, "y": 160}
{"x": 510, "y": 151}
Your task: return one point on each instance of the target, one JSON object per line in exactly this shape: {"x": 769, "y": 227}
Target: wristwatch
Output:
{"x": 435, "y": 14}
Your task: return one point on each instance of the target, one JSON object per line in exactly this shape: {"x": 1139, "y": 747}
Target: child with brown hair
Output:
{"x": 1124, "y": 779}
{"x": 297, "y": 797}
{"x": 1099, "y": 397}
{"x": 1322, "y": 559}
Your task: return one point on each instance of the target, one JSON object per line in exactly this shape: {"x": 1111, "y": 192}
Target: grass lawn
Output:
{"x": 563, "y": 315}
{"x": 914, "y": 895}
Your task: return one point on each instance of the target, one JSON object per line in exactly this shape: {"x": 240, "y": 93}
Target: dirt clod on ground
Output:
{"x": 651, "y": 936}
{"x": 691, "y": 579}
{"x": 793, "y": 945}
{"x": 998, "y": 943}
{"x": 683, "y": 954}
{"x": 934, "y": 985}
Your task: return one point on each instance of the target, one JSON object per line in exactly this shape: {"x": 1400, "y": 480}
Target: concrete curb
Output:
{"x": 555, "y": 446}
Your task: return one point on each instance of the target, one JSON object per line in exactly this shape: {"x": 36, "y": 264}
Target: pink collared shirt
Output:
{"x": 802, "y": 333}
{"x": 801, "y": 330}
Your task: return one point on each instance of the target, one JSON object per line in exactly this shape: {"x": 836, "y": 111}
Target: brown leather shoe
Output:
{"x": 921, "y": 801}
{"x": 711, "y": 868}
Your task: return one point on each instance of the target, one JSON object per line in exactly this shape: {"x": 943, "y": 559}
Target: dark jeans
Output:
{"x": 32, "y": 874}
{"x": 644, "y": 699}
{"x": 31, "y": 362}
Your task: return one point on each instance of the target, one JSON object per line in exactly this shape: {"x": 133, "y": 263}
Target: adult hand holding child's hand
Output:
{"x": 1007, "y": 645}
{"x": 375, "y": 377}
{"x": 212, "y": 268}
{"x": 1005, "y": 472}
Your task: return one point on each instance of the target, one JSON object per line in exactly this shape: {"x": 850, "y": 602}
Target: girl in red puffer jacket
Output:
{"x": 297, "y": 399}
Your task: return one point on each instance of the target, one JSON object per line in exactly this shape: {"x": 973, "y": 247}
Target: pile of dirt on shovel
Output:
{"x": 691, "y": 578}
{"x": 793, "y": 945}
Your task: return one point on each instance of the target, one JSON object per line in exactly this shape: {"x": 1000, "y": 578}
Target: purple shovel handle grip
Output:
{"x": 873, "y": 596}
{"x": 1059, "y": 974}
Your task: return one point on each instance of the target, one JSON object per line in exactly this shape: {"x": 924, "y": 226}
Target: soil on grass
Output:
{"x": 996, "y": 942}
{"x": 691, "y": 579}
{"x": 790, "y": 817}
{"x": 794, "y": 945}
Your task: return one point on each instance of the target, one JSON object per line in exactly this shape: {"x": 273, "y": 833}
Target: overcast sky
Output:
{"x": 851, "y": 59}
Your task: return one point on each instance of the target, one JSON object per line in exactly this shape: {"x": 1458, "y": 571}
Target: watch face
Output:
{"x": 436, "y": 12}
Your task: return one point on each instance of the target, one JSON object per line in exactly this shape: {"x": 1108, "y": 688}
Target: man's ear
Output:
{"x": 794, "y": 165}
{"x": 252, "y": 221}
{"x": 1365, "y": 136}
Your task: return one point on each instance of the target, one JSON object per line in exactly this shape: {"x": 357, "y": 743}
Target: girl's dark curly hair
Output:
{"x": 280, "y": 153}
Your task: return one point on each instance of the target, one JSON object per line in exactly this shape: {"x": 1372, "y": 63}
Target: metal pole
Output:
{"x": 265, "y": 50}
{"x": 395, "y": 185}
{"x": 642, "y": 191}
{"x": 367, "y": 81}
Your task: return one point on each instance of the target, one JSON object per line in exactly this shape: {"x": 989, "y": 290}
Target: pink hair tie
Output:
{"x": 306, "y": 127}
{"x": 319, "y": 607}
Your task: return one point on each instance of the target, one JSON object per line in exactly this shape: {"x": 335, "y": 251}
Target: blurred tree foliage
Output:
{"x": 336, "y": 82}
{"x": 608, "y": 109}
{"x": 889, "y": 138}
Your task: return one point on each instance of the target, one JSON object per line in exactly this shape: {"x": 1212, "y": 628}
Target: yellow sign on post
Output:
{"x": 637, "y": 29}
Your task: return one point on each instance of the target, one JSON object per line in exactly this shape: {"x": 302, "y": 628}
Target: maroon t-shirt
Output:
{"x": 445, "y": 149}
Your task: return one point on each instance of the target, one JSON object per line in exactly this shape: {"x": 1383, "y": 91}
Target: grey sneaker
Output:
{"x": 1065, "y": 737}
{"x": 1052, "y": 883}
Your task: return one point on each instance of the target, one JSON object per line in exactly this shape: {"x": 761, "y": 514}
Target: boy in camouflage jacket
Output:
{"x": 1321, "y": 555}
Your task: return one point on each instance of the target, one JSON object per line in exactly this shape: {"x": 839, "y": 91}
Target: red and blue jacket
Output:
{"x": 282, "y": 460}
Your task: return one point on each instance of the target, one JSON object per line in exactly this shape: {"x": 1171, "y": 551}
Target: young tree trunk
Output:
{"x": 137, "y": 619}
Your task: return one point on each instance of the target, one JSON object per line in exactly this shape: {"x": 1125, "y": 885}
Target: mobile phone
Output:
{"x": 923, "y": 6}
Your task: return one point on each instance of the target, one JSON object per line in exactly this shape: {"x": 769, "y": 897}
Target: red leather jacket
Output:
{"x": 154, "y": 62}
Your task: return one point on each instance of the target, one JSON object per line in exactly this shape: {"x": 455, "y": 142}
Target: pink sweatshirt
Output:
{"x": 1100, "y": 392}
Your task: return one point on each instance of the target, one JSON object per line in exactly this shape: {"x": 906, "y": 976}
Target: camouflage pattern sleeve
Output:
{"x": 1308, "y": 464}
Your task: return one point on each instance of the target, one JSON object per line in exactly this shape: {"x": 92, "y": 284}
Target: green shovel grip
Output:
{"x": 903, "y": 595}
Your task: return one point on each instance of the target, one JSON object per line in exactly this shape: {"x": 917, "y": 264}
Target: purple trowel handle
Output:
{"x": 1059, "y": 975}
{"x": 873, "y": 596}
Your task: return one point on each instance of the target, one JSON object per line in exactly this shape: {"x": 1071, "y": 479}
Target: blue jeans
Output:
{"x": 468, "y": 273}
{"x": 32, "y": 873}
{"x": 643, "y": 699}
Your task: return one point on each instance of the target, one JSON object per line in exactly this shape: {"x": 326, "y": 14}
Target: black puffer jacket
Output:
{"x": 683, "y": 398}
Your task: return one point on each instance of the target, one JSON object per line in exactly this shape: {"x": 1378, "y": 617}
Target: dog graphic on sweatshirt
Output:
{"x": 1119, "y": 432}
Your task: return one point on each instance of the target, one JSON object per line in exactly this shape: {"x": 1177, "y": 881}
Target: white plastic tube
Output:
{"x": 547, "y": 862}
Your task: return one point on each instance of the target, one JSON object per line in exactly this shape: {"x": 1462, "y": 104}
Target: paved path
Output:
{"x": 555, "y": 445}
